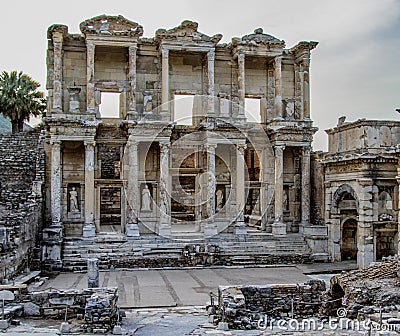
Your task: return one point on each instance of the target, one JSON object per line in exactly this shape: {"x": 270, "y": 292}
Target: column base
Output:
{"x": 164, "y": 230}
{"x": 132, "y": 230}
{"x": 279, "y": 229}
{"x": 302, "y": 226}
{"x": 210, "y": 230}
{"x": 240, "y": 229}
{"x": 89, "y": 231}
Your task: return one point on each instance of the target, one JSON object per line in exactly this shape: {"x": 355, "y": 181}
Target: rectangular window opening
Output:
{"x": 183, "y": 109}
{"x": 253, "y": 110}
{"x": 110, "y": 104}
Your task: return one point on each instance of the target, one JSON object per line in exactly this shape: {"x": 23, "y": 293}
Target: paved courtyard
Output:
{"x": 155, "y": 288}
{"x": 185, "y": 287}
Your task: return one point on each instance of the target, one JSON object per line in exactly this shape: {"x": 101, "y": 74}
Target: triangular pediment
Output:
{"x": 186, "y": 31}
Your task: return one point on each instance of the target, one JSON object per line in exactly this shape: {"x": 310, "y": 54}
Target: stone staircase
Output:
{"x": 116, "y": 251}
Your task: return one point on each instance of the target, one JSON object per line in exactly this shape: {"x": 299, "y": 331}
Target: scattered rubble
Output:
{"x": 366, "y": 292}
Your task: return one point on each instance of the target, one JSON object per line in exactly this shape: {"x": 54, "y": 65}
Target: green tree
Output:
{"x": 19, "y": 98}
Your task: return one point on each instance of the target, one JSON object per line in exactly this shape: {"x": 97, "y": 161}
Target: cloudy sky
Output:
{"x": 355, "y": 70}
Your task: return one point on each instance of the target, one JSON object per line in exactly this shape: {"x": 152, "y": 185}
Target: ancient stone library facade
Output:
{"x": 180, "y": 154}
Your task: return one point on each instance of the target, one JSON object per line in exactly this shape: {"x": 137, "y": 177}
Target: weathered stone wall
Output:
{"x": 363, "y": 134}
{"x": 21, "y": 178}
{"x": 242, "y": 307}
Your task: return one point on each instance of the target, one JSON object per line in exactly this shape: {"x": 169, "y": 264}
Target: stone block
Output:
{"x": 89, "y": 231}
{"x": 31, "y": 309}
{"x": 3, "y": 324}
{"x": 279, "y": 229}
{"x": 132, "y": 230}
{"x": 64, "y": 328}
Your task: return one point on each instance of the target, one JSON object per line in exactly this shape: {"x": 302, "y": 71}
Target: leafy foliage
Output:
{"x": 19, "y": 98}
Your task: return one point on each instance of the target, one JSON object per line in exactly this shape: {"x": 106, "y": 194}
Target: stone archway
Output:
{"x": 348, "y": 245}
{"x": 344, "y": 193}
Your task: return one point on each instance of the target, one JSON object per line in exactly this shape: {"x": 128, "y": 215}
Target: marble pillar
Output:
{"x": 365, "y": 231}
{"x": 279, "y": 227}
{"x": 306, "y": 90}
{"x": 211, "y": 227}
{"x": 278, "y": 87}
{"x": 165, "y": 191}
{"x": 58, "y": 72}
{"x": 55, "y": 183}
{"x": 211, "y": 84}
{"x": 398, "y": 207}
{"x": 305, "y": 186}
{"x": 240, "y": 227}
{"x": 89, "y": 229}
{"x": 165, "y": 80}
{"x": 131, "y": 103}
{"x": 90, "y": 94}
{"x": 241, "y": 83}
{"x": 131, "y": 228}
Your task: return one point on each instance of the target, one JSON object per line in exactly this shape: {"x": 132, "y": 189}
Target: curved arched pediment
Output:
{"x": 338, "y": 197}
{"x": 259, "y": 38}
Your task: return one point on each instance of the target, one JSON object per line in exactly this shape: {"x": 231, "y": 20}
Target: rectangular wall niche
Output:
{"x": 253, "y": 109}
{"x": 110, "y": 105}
{"x": 183, "y": 109}
{"x": 110, "y": 206}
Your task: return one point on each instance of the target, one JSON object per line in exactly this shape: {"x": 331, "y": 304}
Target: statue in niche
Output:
{"x": 219, "y": 199}
{"x": 289, "y": 110}
{"x": 285, "y": 202}
{"x": 146, "y": 199}
{"x": 147, "y": 102}
{"x": 385, "y": 202}
{"x": 73, "y": 200}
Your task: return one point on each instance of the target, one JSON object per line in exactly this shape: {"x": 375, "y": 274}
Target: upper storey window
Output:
{"x": 183, "y": 109}
{"x": 110, "y": 105}
{"x": 253, "y": 110}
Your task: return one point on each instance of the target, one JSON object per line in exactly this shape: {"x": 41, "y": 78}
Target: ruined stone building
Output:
{"x": 361, "y": 192}
{"x": 150, "y": 174}
{"x": 142, "y": 172}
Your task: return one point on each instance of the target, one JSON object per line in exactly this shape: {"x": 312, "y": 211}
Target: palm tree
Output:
{"x": 19, "y": 98}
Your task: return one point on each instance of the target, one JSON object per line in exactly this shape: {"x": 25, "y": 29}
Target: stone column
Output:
{"x": 90, "y": 96}
{"x": 306, "y": 89}
{"x": 131, "y": 228}
{"x": 240, "y": 227}
{"x": 55, "y": 183}
{"x": 89, "y": 229}
{"x": 211, "y": 85}
{"x": 241, "y": 83}
{"x": 58, "y": 73}
{"x": 398, "y": 207}
{"x": 211, "y": 228}
{"x": 278, "y": 87}
{"x": 132, "y": 80}
{"x": 279, "y": 227}
{"x": 299, "y": 89}
{"x": 165, "y": 80}
{"x": 365, "y": 240}
{"x": 93, "y": 273}
{"x": 305, "y": 186}
{"x": 165, "y": 192}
